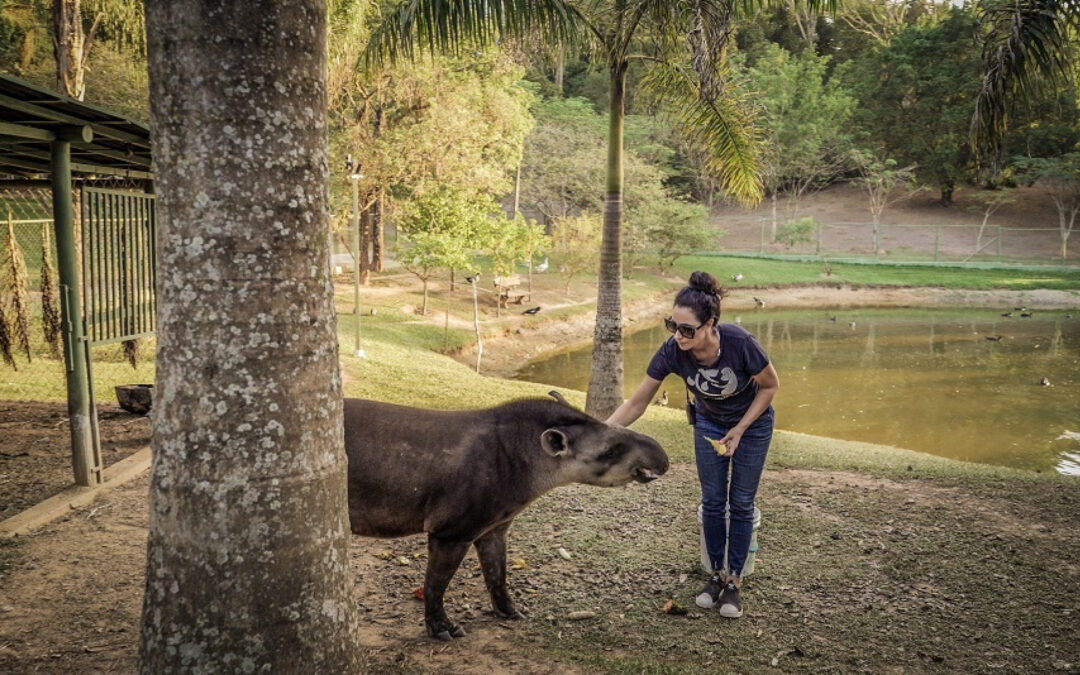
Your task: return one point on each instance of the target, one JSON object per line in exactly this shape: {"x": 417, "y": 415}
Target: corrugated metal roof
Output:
{"x": 30, "y": 117}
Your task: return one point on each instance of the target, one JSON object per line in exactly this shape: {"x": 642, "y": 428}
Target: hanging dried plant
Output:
{"x": 50, "y": 297}
{"x": 19, "y": 291}
{"x": 5, "y": 339}
{"x": 131, "y": 352}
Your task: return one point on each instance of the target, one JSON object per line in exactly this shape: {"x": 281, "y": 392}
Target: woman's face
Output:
{"x": 684, "y": 316}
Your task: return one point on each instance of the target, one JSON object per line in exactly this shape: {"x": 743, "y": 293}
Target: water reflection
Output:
{"x": 921, "y": 379}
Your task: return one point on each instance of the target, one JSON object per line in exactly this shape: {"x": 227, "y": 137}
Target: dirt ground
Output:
{"x": 35, "y": 459}
{"x": 855, "y": 574}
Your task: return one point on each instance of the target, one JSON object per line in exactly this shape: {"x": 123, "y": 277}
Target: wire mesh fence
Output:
{"x": 988, "y": 244}
{"x": 39, "y": 372}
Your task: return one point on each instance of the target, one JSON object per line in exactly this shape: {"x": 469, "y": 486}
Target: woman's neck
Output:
{"x": 709, "y": 349}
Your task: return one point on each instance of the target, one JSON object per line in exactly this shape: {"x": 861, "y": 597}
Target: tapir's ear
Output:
{"x": 555, "y": 443}
{"x": 559, "y": 397}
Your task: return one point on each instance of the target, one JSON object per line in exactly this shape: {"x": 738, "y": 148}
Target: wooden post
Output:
{"x": 476, "y": 324}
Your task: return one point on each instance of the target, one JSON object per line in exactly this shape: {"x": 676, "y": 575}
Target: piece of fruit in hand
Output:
{"x": 720, "y": 448}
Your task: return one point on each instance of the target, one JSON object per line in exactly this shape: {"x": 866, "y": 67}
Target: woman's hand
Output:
{"x": 731, "y": 441}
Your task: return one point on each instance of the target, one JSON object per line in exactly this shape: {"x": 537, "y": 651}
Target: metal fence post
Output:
{"x": 78, "y": 394}
{"x": 999, "y": 243}
{"x": 937, "y": 240}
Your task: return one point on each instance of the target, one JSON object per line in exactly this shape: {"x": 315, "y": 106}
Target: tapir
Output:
{"x": 462, "y": 476}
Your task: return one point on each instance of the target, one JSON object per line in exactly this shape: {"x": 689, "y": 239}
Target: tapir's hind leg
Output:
{"x": 444, "y": 558}
{"x": 492, "y": 551}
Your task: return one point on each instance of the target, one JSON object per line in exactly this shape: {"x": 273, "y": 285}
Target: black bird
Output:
{"x": 473, "y": 279}
{"x": 832, "y": 319}
{"x": 993, "y": 338}
{"x": 1007, "y": 315}
{"x": 1068, "y": 316}
{"x": 1026, "y": 315}
{"x": 1044, "y": 382}
{"x": 531, "y": 310}
{"x": 1020, "y": 309}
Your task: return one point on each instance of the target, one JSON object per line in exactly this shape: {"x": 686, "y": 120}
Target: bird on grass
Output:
{"x": 473, "y": 279}
{"x": 851, "y": 325}
{"x": 1007, "y": 315}
{"x": 1044, "y": 382}
{"x": 531, "y": 311}
{"x": 736, "y": 277}
{"x": 993, "y": 338}
{"x": 372, "y": 311}
{"x": 542, "y": 267}
{"x": 1020, "y": 309}
{"x": 663, "y": 398}
{"x": 759, "y": 303}
{"x": 832, "y": 319}
{"x": 1027, "y": 315}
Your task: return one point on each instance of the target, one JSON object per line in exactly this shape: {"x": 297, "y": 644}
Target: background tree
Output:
{"x": 576, "y": 241}
{"x": 987, "y": 202}
{"x": 885, "y": 183}
{"x": 1060, "y": 176}
{"x": 678, "y": 229}
{"x": 806, "y": 118}
{"x": 916, "y": 98}
{"x": 443, "y": 225}
{"x": 1023, "y": 45}
{"x": 247, "y": 555}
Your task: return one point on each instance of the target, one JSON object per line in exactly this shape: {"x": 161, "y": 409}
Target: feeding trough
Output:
{"x": 135, "y": 398}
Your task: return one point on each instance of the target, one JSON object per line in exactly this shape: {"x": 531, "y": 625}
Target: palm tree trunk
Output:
{"x": 248, "y": 550}
{"x": 606, "y": 374}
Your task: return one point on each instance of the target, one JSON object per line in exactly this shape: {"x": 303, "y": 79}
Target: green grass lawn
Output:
{"x": 760, "y": 272}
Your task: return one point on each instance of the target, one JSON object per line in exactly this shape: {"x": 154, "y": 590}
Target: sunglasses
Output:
{"x": 684, "y": 329}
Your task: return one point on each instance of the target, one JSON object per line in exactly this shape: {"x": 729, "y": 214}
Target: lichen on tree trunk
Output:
{"x": 247, "y": 560}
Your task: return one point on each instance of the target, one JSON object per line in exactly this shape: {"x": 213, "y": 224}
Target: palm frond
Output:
{"x": 1024, "y": 39}
{"x": 719, "y": 121}
{"x": 447, "y": 26}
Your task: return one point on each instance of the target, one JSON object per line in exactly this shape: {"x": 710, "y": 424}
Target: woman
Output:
{"x": 733, "y": 384}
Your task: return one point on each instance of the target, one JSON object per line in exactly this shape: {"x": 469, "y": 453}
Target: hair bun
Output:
{"x": 704, "y": 282}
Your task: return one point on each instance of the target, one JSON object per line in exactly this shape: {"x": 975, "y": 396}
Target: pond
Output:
{"x": 928, "y": 380}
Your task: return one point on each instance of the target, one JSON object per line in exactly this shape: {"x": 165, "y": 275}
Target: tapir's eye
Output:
{"x": 612, "y": 454}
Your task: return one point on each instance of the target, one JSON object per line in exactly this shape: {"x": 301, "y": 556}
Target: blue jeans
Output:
{"x": 721, "y": 492}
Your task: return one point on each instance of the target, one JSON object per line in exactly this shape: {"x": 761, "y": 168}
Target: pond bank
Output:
{"x": 504, "y": 355}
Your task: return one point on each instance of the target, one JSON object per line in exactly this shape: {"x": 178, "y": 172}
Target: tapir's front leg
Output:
{"x": 444, "y": 558}
{"x": 492, "y": 551}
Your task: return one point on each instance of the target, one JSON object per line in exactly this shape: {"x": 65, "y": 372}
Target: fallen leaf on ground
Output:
{"x": 580, "y": 615}
{"x": 674, "y": 608}
{"x": 383, "y": 555}
{"x": 518, "y": 564}
{"x": 418, "y": 592}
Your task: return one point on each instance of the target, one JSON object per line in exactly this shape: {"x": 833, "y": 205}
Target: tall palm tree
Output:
{"x": 247, "y": 566}
{"x": 1024, "y": 41}
{"x": 680, "y": 42}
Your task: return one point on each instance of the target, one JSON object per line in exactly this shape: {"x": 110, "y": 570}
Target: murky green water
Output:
{"x": 921, "y": 379}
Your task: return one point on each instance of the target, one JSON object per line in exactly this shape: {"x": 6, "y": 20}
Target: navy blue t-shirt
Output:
{"x": 724, "y": 389}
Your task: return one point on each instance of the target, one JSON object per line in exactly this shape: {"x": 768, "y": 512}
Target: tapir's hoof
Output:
{"x": 448, "y": 634}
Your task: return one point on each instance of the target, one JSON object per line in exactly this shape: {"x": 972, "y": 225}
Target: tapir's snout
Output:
{"x": 644, "y": 474}
{"x": 655, "y": 465}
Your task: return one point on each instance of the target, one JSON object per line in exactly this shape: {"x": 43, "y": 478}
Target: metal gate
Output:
{"x": 118, "y": 262}
{"x": 118, "y": 268}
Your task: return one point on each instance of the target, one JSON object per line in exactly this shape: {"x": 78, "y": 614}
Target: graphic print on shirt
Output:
{"x": 705, "y": 381}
